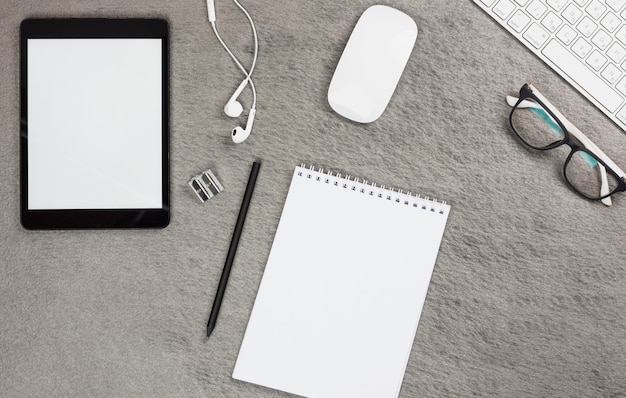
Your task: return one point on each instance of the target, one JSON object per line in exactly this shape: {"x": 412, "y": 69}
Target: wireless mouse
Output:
{"x": 371, "y": 64}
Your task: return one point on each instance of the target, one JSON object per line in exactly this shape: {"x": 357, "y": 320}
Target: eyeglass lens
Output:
{"x": 534, "y": 125}
{"x": 584, "y": 173}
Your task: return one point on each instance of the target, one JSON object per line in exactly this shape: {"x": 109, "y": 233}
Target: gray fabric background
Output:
{"x": 528, "y": 296}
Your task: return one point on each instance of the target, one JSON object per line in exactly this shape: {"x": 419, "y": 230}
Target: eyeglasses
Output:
{"x": 587, "y": 170}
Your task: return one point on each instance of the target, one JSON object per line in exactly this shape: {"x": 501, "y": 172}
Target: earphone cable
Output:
{"x": 256, "y": 40}
{"x": 219, "y": 38}
{"x": 234, "y": 58}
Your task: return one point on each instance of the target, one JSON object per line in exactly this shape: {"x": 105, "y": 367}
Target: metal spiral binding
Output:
{"x": 352, "y": 183}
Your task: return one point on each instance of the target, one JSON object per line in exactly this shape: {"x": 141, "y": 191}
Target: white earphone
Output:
{"x": 233, "y": 107}
{"x": 239, "y": 134}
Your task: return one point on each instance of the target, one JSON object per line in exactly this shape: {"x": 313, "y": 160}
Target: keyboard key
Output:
{"x": 615, "y": 5}
{"x": 566, "y": 35}
{"x": 596, "y": 60}
{"x": 536, "y": 9}
{"x": 601, "y": 39}
{"x": 536, "y": 35}
{"x": 504, "y": 8}
{"x": 519, "y": 21}
{"x": 595, "y": 9}
{"x": 551, "y": 21}
{"x": 488, "y": 3}
{"x": 577, "y": 71}
{"x": 557, "y": 4}
{"x": 581, "y": 2}
{"x": 621, "y": 86}
{"x": 616, "y": 52}
{"x": 621, "y": 34}
{"x": 572, "y": 14}
{"x": 611, "y": 21}
{"x": 582, "y": 48}
{"x": 586, "y": 26}
{"x": 622, "y": 115}
{"x": 611, "y": 73}
{"x": 522, "y": 2}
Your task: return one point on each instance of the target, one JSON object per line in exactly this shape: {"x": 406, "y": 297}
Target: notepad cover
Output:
{"x": 340, "y": 299}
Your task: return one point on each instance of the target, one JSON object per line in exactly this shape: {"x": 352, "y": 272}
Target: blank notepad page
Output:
{"x": 341, "y": 296}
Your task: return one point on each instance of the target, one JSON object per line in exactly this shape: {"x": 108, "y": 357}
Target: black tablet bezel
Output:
{"x": 93, "y": 28}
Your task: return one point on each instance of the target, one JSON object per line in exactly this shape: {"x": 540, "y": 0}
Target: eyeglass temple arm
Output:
{"x": 604, "y": 188}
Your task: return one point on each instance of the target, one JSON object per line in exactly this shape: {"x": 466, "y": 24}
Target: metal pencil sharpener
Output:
{"x": 205, "y": 185}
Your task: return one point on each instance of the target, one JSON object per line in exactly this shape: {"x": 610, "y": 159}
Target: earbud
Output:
{"x": 239, "y": 134}
{"x": 233, "y": 107}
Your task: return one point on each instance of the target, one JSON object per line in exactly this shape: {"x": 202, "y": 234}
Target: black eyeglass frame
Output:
{"x": 526, "y": 92}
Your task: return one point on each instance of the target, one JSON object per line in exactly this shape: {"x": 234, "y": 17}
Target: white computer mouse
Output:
{"x": 371, "y": 64}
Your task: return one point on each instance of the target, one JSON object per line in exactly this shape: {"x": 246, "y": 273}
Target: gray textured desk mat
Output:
{"x": 528, "y": 297}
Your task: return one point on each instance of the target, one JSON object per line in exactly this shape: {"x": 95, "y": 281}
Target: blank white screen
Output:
{"x": 94, "y": 124}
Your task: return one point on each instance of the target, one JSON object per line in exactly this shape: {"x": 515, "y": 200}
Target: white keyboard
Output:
{"x": 583, "y": 40}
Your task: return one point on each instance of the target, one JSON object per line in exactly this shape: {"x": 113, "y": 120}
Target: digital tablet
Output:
{"x": 94, "y": 99}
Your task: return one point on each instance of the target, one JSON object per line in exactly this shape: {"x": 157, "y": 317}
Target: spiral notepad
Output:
{"x": 343, "y": 289}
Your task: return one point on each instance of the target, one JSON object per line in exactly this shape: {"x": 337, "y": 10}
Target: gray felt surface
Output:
{"x": 528, "y": 296}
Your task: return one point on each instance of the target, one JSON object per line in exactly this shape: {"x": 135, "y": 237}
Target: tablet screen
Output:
{"x": 95, "y": 121}
{"x": 94, "y": 124}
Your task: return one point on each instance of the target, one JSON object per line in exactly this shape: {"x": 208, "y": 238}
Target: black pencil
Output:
{"x": 234, "y": 242}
